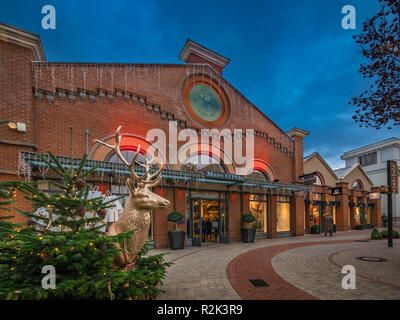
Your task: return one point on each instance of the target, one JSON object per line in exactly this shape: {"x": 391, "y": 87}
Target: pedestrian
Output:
{"x": 384, "y": 220}
{"x": 214, "y": 227}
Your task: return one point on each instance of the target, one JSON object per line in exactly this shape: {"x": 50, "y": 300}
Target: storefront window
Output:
{"x": 357, "y": 216}
{"x": 368, "y": 215}
{"x": 316, "y": 214}
{"x": 283, "y": 214}
{"x": 334, "y": 214}
{"x": 258, "y": 207}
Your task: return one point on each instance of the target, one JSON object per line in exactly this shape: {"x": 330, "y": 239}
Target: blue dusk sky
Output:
{"x": 291, "y": 58}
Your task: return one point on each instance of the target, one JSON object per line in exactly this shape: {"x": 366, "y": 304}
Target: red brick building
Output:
{"x": 43, "y": 99}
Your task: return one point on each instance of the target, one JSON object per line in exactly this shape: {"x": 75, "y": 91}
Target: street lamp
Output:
{"x": 11, "y": 125}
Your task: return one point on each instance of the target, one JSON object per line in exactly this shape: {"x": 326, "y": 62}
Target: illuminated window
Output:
{"x": 258, "y": 208}
{"x": 283, "y": 214}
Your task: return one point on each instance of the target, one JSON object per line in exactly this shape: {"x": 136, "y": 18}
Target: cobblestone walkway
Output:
{"x": 201, "y": 273}
{"x": 317, "y": 270}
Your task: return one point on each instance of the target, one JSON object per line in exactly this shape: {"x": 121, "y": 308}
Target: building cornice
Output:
{"x": 371, "y": 147}
{"x": 192, "y": 47}
{"x": 298, "y": 132}
{"x": 24, "y": 39}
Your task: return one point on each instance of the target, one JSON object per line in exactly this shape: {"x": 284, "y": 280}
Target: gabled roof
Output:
{"x": 317, "y": 155}
{"x": 344, "y": 172}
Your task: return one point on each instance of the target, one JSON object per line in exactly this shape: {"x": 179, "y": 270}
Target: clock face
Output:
{"x": 205, "y": 102}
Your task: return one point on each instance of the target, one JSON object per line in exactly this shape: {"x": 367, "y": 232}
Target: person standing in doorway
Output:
{"x": 214, "y": 228}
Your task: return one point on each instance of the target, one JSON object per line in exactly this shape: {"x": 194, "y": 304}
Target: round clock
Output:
{"x": 205, "y": 102}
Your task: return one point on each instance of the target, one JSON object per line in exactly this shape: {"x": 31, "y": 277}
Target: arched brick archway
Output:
{"x": 129, "y": 142}
{"x": 264, "y": 167}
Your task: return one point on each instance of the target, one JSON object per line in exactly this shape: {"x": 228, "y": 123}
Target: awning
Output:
{"x": 34, "y": 161}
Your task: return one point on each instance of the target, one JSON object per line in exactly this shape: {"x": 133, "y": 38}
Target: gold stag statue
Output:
{"x": 136, "y": 214}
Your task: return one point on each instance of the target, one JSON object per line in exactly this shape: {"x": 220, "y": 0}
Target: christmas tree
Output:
{"x": 69, "y": 242}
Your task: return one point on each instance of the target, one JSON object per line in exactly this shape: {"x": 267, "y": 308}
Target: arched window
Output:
{"x": 357, "y": 185}
{"x": 258, "y": 175}
{"x": 127, "y": 154}
{"x": 201, "y": 162}
{"x": 319, "y": 181}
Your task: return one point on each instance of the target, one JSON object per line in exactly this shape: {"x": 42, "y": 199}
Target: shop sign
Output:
{"x": 394, "y": 176}
{"x": 374, "y": 196}
{"x": 223, "y": 176}
{"x": 337, "y": 191}
{"x": 384, "y": 189}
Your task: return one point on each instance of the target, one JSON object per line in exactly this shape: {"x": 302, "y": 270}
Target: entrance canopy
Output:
{"x": 34, "y": 160}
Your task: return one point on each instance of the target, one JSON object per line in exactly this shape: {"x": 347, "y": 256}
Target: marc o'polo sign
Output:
{"x": 223, "y": 176}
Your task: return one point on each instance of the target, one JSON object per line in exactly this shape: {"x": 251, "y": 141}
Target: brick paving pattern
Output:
{"x": 316, "y": 270}
{"x": 256, "y": 264}
{"x": 200, "y": 273}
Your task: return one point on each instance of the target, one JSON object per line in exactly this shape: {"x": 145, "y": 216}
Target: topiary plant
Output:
{"x": 375, "y": 234}
{"x": 395, "y": 234}
{"x": 175, "y": 217}
{"x": 248, "y": 217}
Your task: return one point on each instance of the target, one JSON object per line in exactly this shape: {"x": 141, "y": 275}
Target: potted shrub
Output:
{"x": 248, "y": 229}
{"x": 315, "y": 229}
{"x": 334, "y": 227}
{"x": 376, "y": 235}
{"x": 176, "y": 236}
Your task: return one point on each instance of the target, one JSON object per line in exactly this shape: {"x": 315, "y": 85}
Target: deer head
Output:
{"x": 141, "y": 197}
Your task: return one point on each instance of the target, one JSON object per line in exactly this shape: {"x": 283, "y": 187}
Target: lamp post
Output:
{"x": 392, "y": 179}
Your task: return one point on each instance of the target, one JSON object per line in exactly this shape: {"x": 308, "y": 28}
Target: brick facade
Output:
{"x": 50, "y": 97}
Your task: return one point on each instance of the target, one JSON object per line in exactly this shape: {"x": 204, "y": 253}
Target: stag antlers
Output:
{"x": 143, "y": 181}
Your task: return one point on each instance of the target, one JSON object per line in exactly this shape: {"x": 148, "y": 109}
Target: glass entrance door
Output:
{"x": 210, "y": 221}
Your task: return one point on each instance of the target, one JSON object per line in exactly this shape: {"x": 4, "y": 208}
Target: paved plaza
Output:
{"x": 295, "y": 268}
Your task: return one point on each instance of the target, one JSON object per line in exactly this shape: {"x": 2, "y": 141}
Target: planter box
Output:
{"x": 359, "y": 227}
{"x": 248, "y": 235}
{"x": 315, "y": 230}
{"x": 334, "y": 228}
{"x": 177, "y": 239}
